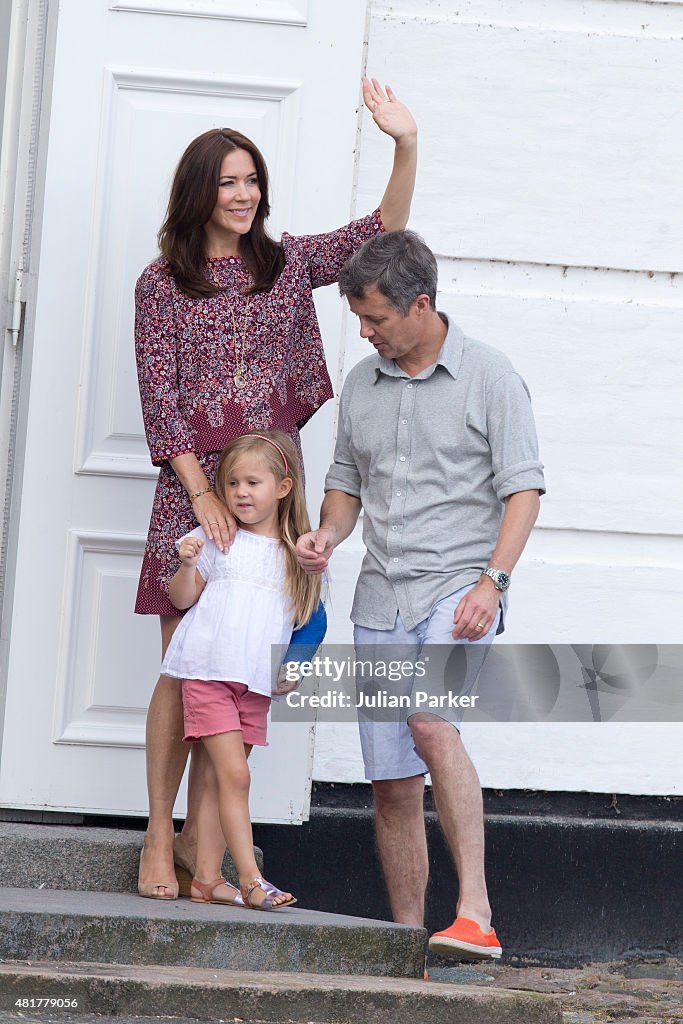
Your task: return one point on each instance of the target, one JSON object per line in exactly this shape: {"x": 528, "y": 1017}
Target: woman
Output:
{"x": 227, "y": 341}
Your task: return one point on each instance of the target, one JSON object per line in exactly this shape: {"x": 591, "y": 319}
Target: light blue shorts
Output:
{"x": 387, "y": 746}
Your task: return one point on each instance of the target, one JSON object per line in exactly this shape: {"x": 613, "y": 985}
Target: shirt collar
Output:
{"x": 450, "y": 356}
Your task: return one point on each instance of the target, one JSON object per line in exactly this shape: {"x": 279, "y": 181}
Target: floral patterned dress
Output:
{"x": 187, "y": 360}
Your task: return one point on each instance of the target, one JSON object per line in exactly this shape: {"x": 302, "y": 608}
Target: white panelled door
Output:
{"x": 134, "y": 81}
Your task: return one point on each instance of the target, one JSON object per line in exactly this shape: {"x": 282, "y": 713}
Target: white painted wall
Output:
{"x": 550, "y": 188}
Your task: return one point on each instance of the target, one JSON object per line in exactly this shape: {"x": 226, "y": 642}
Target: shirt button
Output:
{"x": 409, "y": 385}
{"x": 398, "y": 494}
{"x": 403, "y": 458}
{"x": 394, "y": 527}
{"x": 404, "y": 421}
{"x": 395, "y": 559}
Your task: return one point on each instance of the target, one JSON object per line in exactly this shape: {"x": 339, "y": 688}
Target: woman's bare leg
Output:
{"x": 166, "y": 759}
{"x": 185, "y": 844}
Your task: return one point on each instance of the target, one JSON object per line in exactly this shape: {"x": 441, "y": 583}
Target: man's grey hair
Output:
{"x": 400, "y": 263}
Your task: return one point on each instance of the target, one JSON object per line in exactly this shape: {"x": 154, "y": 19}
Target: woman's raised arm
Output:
{"x": 394, "y": 119}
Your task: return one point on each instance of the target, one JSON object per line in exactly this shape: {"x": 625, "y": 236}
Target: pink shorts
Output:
{"x": 212, "y": 706}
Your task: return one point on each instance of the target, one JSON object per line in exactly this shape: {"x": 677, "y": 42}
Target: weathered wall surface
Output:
{"x": 550, "y": 188}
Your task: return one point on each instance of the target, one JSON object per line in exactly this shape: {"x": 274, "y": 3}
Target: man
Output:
{"x": 436, "y": 442}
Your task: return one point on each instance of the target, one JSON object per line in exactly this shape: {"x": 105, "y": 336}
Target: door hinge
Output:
{"x": 16, "y": 306}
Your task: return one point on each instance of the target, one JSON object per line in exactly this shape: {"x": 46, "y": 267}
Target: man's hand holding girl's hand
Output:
{"x": 314, "y": 549}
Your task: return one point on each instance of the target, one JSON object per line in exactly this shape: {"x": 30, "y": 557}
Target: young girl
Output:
{"x": 240, "y": 603}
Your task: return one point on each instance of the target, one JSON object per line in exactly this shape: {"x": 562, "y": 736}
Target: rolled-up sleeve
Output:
{"x": 343, "y": 474}
{"x": 168, "y": 433}
{"x": 512, "y": 437}
{"x": 327, "y": 253}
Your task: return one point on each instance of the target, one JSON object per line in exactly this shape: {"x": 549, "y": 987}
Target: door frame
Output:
{"x": 23, "y": 158}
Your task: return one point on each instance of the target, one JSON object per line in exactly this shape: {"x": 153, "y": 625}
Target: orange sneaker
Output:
{"x": 465, "y": 938}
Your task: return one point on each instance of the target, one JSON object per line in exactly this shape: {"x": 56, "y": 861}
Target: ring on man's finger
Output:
{"x": 480, "y": 625}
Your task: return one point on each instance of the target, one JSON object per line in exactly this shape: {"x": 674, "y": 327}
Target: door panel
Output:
{"x": 133, "y": 83}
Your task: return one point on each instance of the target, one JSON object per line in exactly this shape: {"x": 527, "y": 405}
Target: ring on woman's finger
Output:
{"x": 214, "y": 523}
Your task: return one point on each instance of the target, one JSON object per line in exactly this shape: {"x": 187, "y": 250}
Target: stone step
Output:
{"x": 75, "y": 857}
{"x": 60, "y": 1017}
{"x": 192, "y": 993}
{"x": 120, "y": 928}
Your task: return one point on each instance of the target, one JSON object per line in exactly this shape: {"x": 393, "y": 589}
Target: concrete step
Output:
{"x": 592, "y": 873}
{"x": 60, "y": 1017}
{"x": 211, "y": 995}
{"x": 75, "y": 857}
{"x": 120, "y": 928}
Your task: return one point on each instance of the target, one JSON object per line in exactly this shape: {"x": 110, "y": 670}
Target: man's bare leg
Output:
{"x": 402, "y": 845}
{"x": 459, "y": 806}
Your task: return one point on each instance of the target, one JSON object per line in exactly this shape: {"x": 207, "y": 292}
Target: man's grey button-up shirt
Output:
{"x": 431, "y": 458}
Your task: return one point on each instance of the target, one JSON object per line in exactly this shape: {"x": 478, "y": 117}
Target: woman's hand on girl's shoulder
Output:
{"x": 215, "y": 520}
{"x": 389, "y": 114}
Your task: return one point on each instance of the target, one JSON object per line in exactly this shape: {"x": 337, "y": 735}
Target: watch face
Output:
{"x": 503, "y": 581}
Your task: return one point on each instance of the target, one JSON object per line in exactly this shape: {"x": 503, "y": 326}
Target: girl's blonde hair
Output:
{"x": 303, "y": 590}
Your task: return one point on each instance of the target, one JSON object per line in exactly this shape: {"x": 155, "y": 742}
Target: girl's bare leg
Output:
{"x": 228, "y": 756}
{"x": 210, "y": 841}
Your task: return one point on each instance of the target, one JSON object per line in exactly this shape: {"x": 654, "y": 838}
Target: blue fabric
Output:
{"x": 306, "y": 641}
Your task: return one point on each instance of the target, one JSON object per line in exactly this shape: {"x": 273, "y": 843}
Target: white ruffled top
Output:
{"x": 241, "y": 612}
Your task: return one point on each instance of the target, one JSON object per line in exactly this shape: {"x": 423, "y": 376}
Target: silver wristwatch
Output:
{"x": 501, "y": 580}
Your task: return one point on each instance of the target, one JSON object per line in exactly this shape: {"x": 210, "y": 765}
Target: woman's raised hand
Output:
{"x": 214, "y": 519}
{"x": 389, "y": 114}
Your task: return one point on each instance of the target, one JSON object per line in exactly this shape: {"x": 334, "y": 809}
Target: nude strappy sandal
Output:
{"x": 146, "y": 889}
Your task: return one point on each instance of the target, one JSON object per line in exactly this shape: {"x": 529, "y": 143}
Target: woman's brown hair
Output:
{"x": 193, "y": 197}
{"x": 303, "y": 590}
